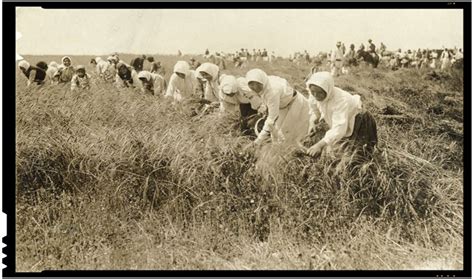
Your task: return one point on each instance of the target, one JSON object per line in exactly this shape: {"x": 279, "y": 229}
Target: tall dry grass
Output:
{"x": 113, "y": 179}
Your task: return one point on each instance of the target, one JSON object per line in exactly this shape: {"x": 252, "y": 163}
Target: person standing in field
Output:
{"x": 445, "y": 59}
{"x": 336, "y": 60}
{"x": 152, "y": 83}
{"x": 265, "y": 55}
{"x": 424, "y": 59}
{"x": 65, "y": 71}
{"x": 343, "y": 113}
{"x": 350, "y": 58}
{"x": 287, "y": 109}
{"x": 126, "y": 76}
{"x": 34, "y": 74}
{"x": 382, "y": 49}
{"x": 182, "y": 83}
{"x": 434, "y": 58}
{"x": 80, "y": 80}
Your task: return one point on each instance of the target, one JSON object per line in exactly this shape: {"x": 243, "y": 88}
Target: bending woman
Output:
{"x": 343, "y": 113}
{"x": 288, "y": 110}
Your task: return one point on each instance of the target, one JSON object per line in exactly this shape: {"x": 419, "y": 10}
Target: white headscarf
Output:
{"x": 323, "y": 80}
{"x": 338, "y": 109}
{"x": 24, "y": 64}
{"x": 111, "y": 58}
{"x": 228, "y": 84}
{"x": 181, "y": 67}
{"x": 145, "y": 74}
{"x": 98, "y": 59}
{"x": 64, "y": 58}
{"x": 53, "y": 64}
{"x": 209, "y": 68}
{"x": 258, "y": 76}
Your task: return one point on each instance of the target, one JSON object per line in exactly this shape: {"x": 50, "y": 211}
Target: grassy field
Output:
{"x": 113, "y": 179}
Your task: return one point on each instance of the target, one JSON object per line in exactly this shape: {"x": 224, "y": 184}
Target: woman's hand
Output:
{"x": 316, "y": 149}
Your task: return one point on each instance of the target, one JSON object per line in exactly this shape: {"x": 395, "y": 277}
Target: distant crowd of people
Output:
{"x": 341, "y": 59}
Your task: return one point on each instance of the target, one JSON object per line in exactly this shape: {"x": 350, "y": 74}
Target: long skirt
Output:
{"x": 364, "y": 136}
{"x": 293, "y": 121}
{"x": 247, "y": 120}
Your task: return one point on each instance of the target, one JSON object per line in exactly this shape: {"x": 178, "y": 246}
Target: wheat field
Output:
{"x": 115, "y": 179}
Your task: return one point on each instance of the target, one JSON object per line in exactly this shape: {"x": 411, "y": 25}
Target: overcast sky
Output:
{"x": 194, "y": 30}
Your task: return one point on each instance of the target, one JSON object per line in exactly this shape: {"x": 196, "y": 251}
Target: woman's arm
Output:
{"x": 272, "y": 101}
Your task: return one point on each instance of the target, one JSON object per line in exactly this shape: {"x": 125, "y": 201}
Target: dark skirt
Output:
{"x": 364, "y": 136}
{"x": 248, "y": 118}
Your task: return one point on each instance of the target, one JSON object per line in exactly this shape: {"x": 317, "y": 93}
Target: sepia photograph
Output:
{"x": 239, "y": 139}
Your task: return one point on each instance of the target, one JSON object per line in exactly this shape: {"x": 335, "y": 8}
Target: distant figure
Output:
{"x": 206, "y": 53}
{"x": 265, "y": 55}
{"x": 81, "y": 80}
{"x": 259, "y": 55}
{"x": 34, "y": 74}
{"x": 65, "y": 70}
{"x": 336, "y": 60}
{"x": 458, "y": 55}
{"x": 343, "y": 47}
{"x": 194, "y": 63}
{"x": 350, "y": 56}
{"x": 180, "y": 53}
{"x": 152, "y": 83}
{"x": 434, "y": 58}
{"x": 137, "y": 63}
{"x": 382, "y": 49}
{"x": 424, "y": 59}
{"x": 371, "y": 48}
{"x": 445, "y": 59}
{"x": 350, "y": 59}
{"x": 307, "y": 57}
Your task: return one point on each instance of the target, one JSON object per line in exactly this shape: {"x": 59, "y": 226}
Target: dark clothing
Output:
{"x": 137, "y": 64}
{"x": 39, "y": 73}
{"x": 372, "y": 47}
{"x": 126, "y": 77}
{"x": 248, "y": 117}
{"x": 364, "y": 136}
